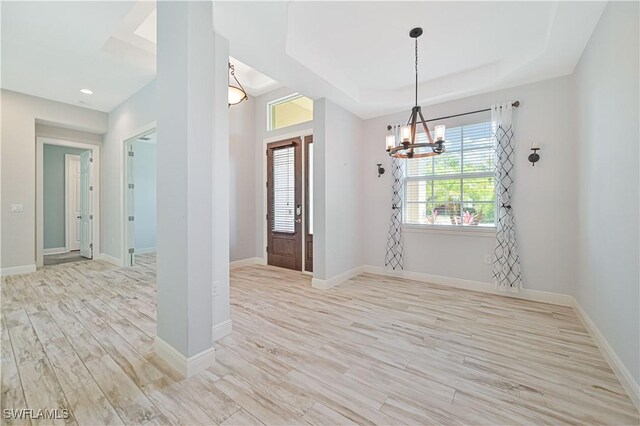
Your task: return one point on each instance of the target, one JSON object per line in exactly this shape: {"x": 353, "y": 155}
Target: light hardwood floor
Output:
{"x": 374, "y": 350}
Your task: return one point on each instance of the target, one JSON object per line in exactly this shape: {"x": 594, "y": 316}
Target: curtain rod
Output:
{"x": 516, "y": 104}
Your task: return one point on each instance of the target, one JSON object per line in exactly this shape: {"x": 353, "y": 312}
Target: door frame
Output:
{"x": 125, "y": 259}
{"x": 67, "y": 199}
{"x": 265, "y": 208}
{"x": 95, "y": 154}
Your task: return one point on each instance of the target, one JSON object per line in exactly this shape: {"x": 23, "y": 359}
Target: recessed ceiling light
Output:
{"x": 87, "y": 91}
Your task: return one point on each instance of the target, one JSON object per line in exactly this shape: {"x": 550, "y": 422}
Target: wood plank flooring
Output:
{"x": 374, "y": 350}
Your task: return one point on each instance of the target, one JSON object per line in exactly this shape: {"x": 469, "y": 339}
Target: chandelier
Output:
{"x": 236, "y": 93}
{"x": 408, "y": 146}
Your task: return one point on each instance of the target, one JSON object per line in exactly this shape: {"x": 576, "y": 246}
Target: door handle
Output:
{"x": 78, "y": 217}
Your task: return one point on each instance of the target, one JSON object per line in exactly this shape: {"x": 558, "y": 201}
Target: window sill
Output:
{"x": 470, "y": 231}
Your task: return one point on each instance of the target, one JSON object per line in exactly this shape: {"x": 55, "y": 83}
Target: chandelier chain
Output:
{"x": 416, "y": 71}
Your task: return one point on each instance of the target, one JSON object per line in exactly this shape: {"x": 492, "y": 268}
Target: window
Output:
{"x": 455, "y": 188}
{"x": 294, "y": 109}
{"x": 283, "y": 189}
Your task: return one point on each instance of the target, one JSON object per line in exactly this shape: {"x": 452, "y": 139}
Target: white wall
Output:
{"x": 242, "y": 177}
{"x": 18, "y": 161}
{"x": 544, "y": 200}
{"x": 145, "y": 203}
{"x": 124, "y": 122}
{"x": 338, "y": 211}
{"x": 608, "y": 210}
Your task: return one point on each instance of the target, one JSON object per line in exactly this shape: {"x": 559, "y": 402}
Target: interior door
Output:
{"x": 308, "y": 205}
{"x": 86, "y": 205}
{"x": 73, "y": 201}
{"x": 284, "y": 201}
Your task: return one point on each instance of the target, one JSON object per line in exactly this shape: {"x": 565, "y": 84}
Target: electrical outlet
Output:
{"x": 487, "y": 259}
{"x": 215, "y": 287}
{"x": 17, "y": 207}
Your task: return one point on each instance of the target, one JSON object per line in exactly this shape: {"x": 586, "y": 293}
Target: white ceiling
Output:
{"x": 54, "y": 49}
{"x": 357, "y": 54}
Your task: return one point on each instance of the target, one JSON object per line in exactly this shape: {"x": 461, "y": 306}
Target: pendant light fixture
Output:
{"x": 407, "y": 146}
{"x": 236, "y": 93}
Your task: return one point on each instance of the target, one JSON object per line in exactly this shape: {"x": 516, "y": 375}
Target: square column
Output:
{"x": 189, "y": 108}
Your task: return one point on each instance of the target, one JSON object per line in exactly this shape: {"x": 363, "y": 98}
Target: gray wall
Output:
{"x": 54, "y": 194}
{"x": 18, "y": 165}
{"x": 144, "y": 178}
{"x": 608, "y": 210}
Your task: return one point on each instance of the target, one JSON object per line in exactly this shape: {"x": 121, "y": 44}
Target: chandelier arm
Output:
{"x": 414, "y": 118}
{"x": 426, "y": 128}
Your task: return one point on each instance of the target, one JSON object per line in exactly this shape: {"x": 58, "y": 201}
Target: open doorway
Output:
{"x": 140, "y": 198}
{"x": 67, "y": 219}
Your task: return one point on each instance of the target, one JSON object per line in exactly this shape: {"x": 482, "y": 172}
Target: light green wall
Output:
{"x": 53, "y": 194}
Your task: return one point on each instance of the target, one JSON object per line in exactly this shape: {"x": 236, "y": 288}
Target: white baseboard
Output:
{"x": 55, "y": 250}
{"x": 246, "y": 262}
{"x": 146, "y": 250}
{"x": 221, "y": 330}
{"x": 110, "y": 259}
{"x": 334, "y": 281}
{"x": 16, "y": 270}
{"x": 187, "y": 367}
{"x": 526, "y": 294}
{"x": 624, "y": 376}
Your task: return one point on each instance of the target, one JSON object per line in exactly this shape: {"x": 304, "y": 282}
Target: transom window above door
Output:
{"x": 289, "y": 111}
{"x": 456, "y": 188}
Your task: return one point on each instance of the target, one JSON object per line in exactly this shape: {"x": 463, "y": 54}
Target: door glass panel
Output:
{"x": 284, "y": 190}
{"x": 310, "y": 189}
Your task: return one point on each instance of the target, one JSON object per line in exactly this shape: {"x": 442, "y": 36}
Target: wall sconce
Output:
{"x": 380, "y": 169}
{"x": 534, "y": 156}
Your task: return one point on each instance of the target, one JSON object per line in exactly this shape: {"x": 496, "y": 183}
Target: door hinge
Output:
{"x": 131, "y": 250}
{"x": 91, "y": 159}
{"x": 90, "y": 216}
{"x": 130, "y": 218}
{"x": 130, "y": 153}
{"x": 266, "y": 216}
{"x": 91, "y": 245}
{"x": 130, "y": 186}
{"x": 266, "y": 184}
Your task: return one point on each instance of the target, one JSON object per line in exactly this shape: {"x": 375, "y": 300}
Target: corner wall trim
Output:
{"x": 17, "y": 270}
{"x": 526, "y": 294}
{"x": 110, "y": 259}
{"x": 334, "y": 281}
{"x": 624, "y": 376}
{"x": 246, "y": 262}
{"x": 55, "y": 250}
{"x": 221, "y": 330}
{"x": 187, "y": 367}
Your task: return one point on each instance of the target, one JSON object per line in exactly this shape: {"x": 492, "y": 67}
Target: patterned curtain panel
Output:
{"x": 393, "y": 257}
{"x": 506, "y": 266}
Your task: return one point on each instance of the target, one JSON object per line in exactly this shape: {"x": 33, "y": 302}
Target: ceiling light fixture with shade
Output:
{"x": 237, "y": 93}
{"x": 408, "y": 141}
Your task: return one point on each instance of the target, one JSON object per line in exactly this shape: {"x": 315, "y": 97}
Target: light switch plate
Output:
{"x": 17, "y": 207}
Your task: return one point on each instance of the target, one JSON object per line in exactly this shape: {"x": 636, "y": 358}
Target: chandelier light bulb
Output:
{"x": 405, "y": 134}
{"x": 439, "y": 131}
{"x": 391, "y": 142}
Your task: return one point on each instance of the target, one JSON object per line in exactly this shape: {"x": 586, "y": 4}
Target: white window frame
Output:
{"x": 279, "y": 101}
{"x": 484, "y": 230}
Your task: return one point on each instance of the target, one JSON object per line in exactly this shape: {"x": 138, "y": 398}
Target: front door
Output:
{"x": 284, "y": 201}
{"x": 86, "y": 205}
